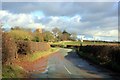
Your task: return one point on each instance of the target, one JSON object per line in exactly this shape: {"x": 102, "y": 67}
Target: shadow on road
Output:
{"x": 86, "y": 65}
{"x": 79, "y": 62}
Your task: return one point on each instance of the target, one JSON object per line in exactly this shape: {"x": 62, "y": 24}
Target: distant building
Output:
{"x": 39, "y": 30}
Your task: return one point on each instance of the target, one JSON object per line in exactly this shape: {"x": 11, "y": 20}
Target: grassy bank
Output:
{"x": 37, "y": 55}
{"x": 13, "y": 71}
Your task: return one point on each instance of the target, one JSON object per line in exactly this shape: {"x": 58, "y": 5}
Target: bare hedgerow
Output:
{"x": 105, "y": 53}
{"x": 8, "y": 48}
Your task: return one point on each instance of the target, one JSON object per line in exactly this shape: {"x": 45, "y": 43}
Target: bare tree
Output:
{"x": 73, "y": 36}
{"x": 57, "y": 33}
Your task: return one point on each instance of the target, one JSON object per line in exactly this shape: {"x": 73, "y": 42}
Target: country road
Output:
{"x": 67, "y": 64}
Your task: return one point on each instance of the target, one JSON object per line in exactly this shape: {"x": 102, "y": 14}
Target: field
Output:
{"x": 83, "y": 43}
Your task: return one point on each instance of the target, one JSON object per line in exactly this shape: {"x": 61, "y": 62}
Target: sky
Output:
{"x": 93, "y": 20}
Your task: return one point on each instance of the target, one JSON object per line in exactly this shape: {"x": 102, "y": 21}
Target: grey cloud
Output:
{"x": 95, "y": 16}
{"x": 89, "y": 11}
{"x": 58, "y": 8}
{"x": 44, "y": 20}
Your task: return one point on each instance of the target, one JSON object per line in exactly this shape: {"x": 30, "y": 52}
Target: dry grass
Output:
{"x": 34, "y": 56}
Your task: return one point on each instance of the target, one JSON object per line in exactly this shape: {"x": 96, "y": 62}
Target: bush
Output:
{"x": 38, "y": 37}
{"x": 21, "y": 35}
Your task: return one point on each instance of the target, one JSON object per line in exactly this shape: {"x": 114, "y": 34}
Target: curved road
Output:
{"x": 66, "y": 64}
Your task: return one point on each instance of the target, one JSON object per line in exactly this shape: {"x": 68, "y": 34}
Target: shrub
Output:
{"x": 38, "y": 37}
{"x": 21, "y": 35}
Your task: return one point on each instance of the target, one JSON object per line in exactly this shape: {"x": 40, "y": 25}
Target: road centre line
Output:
{"x": 67, "y": 70}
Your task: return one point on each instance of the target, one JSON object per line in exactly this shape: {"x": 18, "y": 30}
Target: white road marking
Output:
{"x": 67, "y": 70}
{"x": 46, "y": 70}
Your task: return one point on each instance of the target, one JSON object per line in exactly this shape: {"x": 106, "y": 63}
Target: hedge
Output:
{"x": 8, "y": 48}
{"x": 106, "y": 55}
{"x": 25, "y": 47}
{"x": 11, "y": 48}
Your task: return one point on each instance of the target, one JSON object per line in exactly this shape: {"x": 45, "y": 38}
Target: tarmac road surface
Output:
{"x": 67, "y": 64}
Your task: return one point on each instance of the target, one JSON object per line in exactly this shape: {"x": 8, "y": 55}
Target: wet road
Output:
{"x": 67, "y": 64}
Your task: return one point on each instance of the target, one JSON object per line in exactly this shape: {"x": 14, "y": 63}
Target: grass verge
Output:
{"x": 13, "y": 71}
{"x": 34, "y": 56}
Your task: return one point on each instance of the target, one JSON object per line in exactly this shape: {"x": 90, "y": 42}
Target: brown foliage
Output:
{"x": 8, "y": 48}
{"x": 104, "y": 53}
{"x": 25, "y": 47}
{"x": 19, "y": 41}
